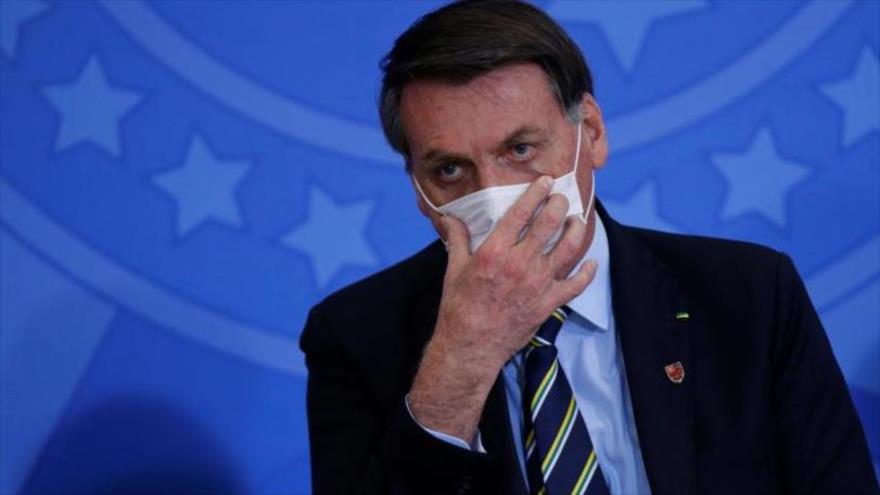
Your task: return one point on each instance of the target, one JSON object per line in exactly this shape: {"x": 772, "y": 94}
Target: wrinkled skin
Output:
{"x": 504, "y": 127}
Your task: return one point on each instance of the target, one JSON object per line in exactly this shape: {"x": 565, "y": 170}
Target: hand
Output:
{"x": 493, "y": 303}
{"x": 494, "y": 300}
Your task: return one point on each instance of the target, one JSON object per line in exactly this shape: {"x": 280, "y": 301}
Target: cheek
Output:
{"x": 434, "y": 218}
{"x": 426, "y": 210}
{"x": 551, "y": 161}
{"x": 585, "y": 174}
{"x": 420, "y": 202}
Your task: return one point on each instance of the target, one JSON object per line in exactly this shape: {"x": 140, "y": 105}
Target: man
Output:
{"x": 548, "y": 349}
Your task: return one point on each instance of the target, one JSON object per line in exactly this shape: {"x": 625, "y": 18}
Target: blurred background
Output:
{"x": 181, "y": 181}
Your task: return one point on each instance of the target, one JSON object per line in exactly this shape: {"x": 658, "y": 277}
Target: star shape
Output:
{"x": 90, "y": 108}
{"x": 14, "y": 13}
{"x": 333, "y": 235}
{"x": 625, "y": 24}
{"x": 859, "y": 97}
{"x": 640, "y": 209}
{"x": 759, "y": 179}
{"x": 204, "y": 187}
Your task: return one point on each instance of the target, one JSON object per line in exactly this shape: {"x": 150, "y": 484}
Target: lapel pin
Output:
{"x": 682, "y": 315}
{"x": 675, "y": 372}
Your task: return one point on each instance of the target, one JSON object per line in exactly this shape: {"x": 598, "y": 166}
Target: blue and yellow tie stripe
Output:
{"x": 559, "y": 454}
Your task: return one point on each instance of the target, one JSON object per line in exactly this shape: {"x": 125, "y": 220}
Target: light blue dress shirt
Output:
{"x": 590, "y": 356}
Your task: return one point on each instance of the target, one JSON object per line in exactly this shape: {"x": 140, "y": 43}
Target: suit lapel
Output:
{"x": 646, "y": 302}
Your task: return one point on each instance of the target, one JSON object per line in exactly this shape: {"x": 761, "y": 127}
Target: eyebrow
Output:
{"x": 521, "y": 134}
{"x": 437, "y": 156}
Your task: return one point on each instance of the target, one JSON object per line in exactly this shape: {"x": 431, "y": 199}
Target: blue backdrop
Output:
{"x": 181, "y": 181}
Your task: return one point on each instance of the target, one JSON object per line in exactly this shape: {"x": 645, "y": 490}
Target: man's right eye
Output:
{"x": 449, "y": 171}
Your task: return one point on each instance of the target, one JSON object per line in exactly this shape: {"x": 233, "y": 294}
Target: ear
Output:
{"x": 594, "y": 127}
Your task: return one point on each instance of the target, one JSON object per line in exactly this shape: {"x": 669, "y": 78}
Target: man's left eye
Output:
{"x": 522, "y": 151}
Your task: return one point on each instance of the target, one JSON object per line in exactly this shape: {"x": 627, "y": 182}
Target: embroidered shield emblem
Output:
{"x": 675, "y": 372}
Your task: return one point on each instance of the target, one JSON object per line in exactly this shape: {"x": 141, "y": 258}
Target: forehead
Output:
{"x": 488, "y": 107}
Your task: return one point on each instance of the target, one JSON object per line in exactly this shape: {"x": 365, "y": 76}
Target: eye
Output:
{"x": 522, "y": 151}
{"x": 448, "y": 172}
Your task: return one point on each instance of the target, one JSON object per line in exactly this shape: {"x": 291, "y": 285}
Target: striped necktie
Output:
{"x": 559, "y": 454}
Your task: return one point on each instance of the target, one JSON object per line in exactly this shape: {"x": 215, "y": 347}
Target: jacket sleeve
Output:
{"x": 824, "y": 449}
{"x": 359, "y": 445}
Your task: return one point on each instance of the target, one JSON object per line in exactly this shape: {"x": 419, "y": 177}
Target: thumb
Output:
{"x": 458, "y": 241}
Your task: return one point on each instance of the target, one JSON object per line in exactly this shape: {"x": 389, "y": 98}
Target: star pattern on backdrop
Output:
{"x": 333, "y": 235}
{"x": 640, "y": 209}
{"x": 203, "y": 187}
{"x": 859, "y": 97}
{"x": 90, "y": 108}
{"x": 759, "y": 179}
{"x": 625, "y": 24}
{"x": 340, "y": 232}
{"x": 12, "y": 16}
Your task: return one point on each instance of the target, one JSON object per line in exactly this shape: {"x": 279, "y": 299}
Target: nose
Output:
{"x": 486, "y": 175}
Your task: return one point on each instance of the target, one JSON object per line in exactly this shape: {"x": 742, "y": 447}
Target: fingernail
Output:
{"x": 545, "y": 181}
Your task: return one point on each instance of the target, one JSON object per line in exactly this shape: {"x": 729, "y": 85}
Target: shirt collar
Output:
{"x": 594, "y": 302}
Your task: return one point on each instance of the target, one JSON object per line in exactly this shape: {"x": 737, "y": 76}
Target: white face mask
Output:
{"x": 482, "y": 210}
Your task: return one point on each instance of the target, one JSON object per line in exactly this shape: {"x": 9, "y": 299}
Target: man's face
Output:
{"x": 504, "y": 127}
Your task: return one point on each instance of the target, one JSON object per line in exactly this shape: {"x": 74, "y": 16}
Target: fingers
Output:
{"x": 567, "y": 289}
{"x": 567, "y": 251}
{"x": 546, "y": 222}
{"x": 458, "y": 242}
{"x": 520, "y": 214}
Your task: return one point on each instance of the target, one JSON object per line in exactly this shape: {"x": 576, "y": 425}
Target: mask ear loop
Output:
{"x": 429, "y": 203}
{"x": 424, "y": 196}
{"x": 577, "y": 150}
{"x": 577, "y": 156}
{"x": 592, "y": 197}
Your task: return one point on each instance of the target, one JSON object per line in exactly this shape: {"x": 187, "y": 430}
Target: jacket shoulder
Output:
{"x": 712, "y": 252}
{"x": 394, "y": 284}
{"x": 726, "y": 274}
{"x": 376, "y": 303}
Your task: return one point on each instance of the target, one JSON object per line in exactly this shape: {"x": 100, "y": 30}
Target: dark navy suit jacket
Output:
{"x": 763, "y": 407}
